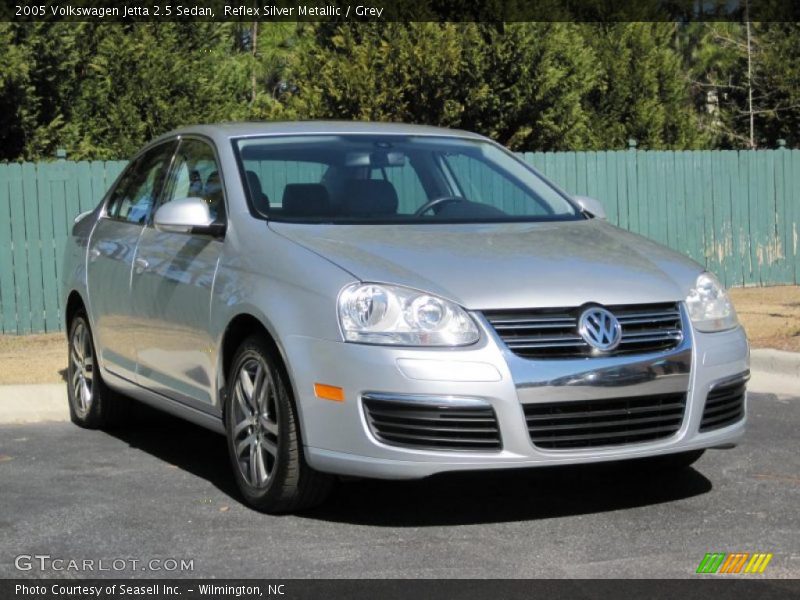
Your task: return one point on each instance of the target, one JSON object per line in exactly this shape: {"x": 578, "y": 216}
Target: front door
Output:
{"x": 112, "y": 248}
{"x": 171, "y": 288}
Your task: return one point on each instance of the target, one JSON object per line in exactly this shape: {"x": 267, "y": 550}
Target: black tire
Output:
{"x": 270, "y": 470}
{"x": 669, "y": 462}
{"x": 105, "y": 407}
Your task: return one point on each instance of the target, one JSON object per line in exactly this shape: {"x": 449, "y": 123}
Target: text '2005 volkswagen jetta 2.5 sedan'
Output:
{"x": 389, "y": 301}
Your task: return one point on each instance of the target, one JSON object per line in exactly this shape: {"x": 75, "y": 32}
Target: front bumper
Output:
{"x": 338, "y": 439}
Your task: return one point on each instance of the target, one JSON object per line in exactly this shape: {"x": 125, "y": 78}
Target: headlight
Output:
{"x": 385, "y": 314}
{"x": 709, "y": 305}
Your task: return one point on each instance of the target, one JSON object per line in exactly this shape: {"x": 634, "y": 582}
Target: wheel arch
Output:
{"x": 239, "y": 328}
{"x": 75, "y": 303}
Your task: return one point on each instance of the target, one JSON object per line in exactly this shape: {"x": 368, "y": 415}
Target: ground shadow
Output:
{"x": 189, "y": 447}
{"x": 505, "y": 496}
{"x": 451, "y": 499}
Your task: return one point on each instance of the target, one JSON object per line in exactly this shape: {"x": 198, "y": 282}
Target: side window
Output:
{"x": 196, "y": 175}
{"x": 139, "y": 188}
{"x": 123, "y": 191}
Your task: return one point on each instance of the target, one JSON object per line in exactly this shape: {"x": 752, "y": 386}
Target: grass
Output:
{"x": 770, "y": 315}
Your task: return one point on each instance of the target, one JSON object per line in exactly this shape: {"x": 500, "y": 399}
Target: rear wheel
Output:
{"x": 92, "y": 404}
{"x": 264, "y": 436}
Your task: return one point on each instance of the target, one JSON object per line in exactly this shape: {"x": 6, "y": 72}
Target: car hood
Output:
{"x": 509, "y": 265}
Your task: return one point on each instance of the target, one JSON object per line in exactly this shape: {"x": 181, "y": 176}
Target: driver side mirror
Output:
{"x": 592, "y": 206}
{"x": 187, "y": 215}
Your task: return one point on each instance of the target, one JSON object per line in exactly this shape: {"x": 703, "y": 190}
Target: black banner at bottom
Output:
{"x": 405, "y": 589}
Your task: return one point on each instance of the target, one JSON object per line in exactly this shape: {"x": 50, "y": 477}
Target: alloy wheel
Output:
{"x": 82, "y": 368}
{"x": 255, "y": 422}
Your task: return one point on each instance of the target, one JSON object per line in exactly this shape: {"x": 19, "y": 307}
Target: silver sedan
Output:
{"x": 390, "y": 301}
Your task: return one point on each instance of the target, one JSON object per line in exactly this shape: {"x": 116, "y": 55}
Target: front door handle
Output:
{"x": 140, "y": 265}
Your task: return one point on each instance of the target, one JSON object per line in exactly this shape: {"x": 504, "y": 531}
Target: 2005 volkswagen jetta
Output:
{"x": 389, "y": 301}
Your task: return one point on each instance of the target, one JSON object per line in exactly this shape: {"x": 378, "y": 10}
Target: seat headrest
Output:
{"x": 254, "y": 182}
{"x": 364, "y": 197}
{"x": 213, "y": 182}
{"x": 195, "y": 183}
{"x": 306, "y": 199}
{"x": 256, "y": 191}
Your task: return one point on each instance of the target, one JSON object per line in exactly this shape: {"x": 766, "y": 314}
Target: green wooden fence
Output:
{"x": 737, "y": 212}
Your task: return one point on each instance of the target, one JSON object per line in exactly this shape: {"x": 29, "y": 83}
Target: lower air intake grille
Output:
{"x": 432, "y": 425}
{"x": 724, "y": 405}
{"x": 609, "y": 422}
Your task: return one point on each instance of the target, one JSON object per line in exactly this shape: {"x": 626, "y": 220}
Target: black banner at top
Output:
{"x": 128, "y": 11}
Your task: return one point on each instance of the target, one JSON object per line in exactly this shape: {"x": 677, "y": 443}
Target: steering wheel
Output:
{"x": 436, "y": 202}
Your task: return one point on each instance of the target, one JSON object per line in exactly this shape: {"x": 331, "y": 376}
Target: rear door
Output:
{"x": 111, "y": 257}
{"x": 171, "y": 288}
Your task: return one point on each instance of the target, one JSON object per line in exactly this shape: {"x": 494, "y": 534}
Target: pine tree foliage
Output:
{"x": 102, "y": 90}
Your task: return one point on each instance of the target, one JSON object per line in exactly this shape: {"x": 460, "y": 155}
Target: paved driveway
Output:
{"x": 164, "y": 491}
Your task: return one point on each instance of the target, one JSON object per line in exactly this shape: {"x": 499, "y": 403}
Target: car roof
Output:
{"x": 260, "y": 128}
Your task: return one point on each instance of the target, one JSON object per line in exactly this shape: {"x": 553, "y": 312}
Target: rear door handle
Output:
{"x": 140, "y": 265}
{"x": 94, "y": 254}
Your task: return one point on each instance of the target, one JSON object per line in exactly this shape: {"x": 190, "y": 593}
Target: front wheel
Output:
{"x": 264, "y": 437}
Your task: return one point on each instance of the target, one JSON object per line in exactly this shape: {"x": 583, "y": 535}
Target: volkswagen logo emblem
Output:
{"x": 600, "y": 329}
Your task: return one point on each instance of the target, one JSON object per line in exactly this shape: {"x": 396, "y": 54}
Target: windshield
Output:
{"x": 393, "y": 179}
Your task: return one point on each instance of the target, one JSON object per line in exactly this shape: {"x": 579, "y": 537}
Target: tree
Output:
{"x": 392, "y": 71}
{"x": 277, "y": 46}
{"x": 37, "y": 75}
{"x": 523, "y": 83}
{"x": 536, "y": 82}
{"x": 144, "y": 79}
{"x": 102, "y": 90}
{"x": 644, "y": 93}
{"x": 746, "y": 81}
{"x": 779, "y": 84}
{"x": 15, "y": 92}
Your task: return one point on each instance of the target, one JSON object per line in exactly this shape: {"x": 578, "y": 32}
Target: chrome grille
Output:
{"x": 724, "y": 404}
{"x": 432, "y": 424}
{"x": 553, "y": 332}
{"x": 608, "y": 422}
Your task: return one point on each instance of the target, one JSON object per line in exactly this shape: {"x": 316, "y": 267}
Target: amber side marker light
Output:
{"x": 329, "y": 392}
